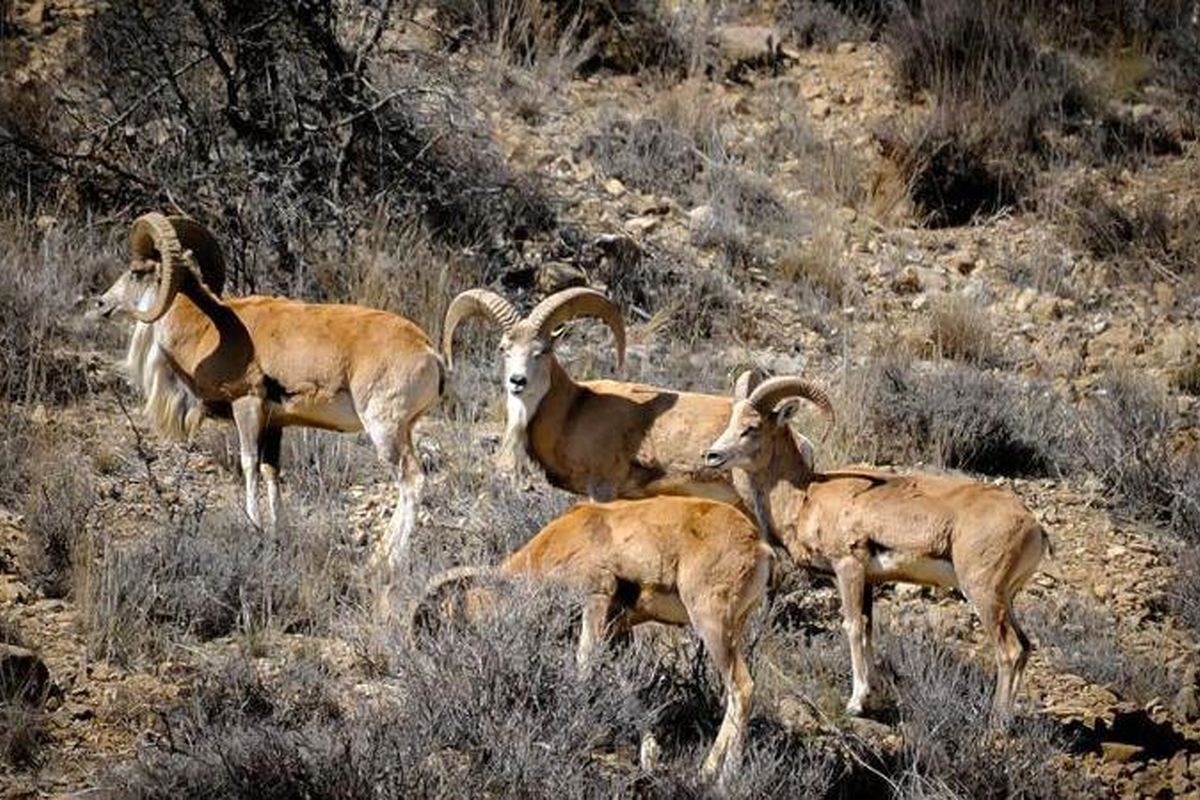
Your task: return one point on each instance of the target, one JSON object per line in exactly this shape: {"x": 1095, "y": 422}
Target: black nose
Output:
{"x": 518, "y": 381}
{"x": 713, "y": 459}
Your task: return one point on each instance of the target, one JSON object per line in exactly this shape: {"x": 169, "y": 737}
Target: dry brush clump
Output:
{"x": 43, "y": 271}
{"x": 1084, "y": 638}
{"x": 207, "y": 573}
{"x": 1146, "y": 241}
{"x": 959, "y": 417}
{"x": 1004, "y": 105}
{"x": 495, "y": 707}
{"x": 960, "y": 329}
{"x": 625, "y": 36}
{"x": 1129, "y": 442}
{"x": 942, "y": 705}
{"x": 339, "y": 136}
{"x": 57, "y": 509}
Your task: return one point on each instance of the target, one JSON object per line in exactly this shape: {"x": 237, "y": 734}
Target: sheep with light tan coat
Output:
{"x": 269, "y": 363}
{"x": 674, "y": 560}
{"x": 870, "y": 526}
{"x": 603, "y": 439}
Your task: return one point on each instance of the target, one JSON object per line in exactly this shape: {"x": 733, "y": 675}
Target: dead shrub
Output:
{"x": 1127, "y": 442}
{"x": 960, "y": 417}
{"x": 1085, "y": 639}
{"x": 60, "y": 501}
{"x": 209, "y": 573}
{"x": 943, "y": 703}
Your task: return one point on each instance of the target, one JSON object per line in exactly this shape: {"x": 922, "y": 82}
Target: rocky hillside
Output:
{"x": 977, "y": 223}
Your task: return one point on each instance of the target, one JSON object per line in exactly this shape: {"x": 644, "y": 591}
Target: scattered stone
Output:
{"x": 1120, "y": 752}
{"x": 23, "y": 676}
{"x": 614, "y": 187}
{"x": 641, "y": 225}
{"x": 819, "y": 109}
{"x": 1025, "y": 299}
{"x": 700, "y": 217}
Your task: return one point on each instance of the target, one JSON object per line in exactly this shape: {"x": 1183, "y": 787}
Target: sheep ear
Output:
{"x": 557, "y": 333}
{"x": 787, "y": 409}
{"x": 745, "y": 383}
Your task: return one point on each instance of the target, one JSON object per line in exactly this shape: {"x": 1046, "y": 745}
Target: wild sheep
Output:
{"x": 269, "y": 362}
{"x": 674, "y": 560}
{"x": 603, "y": 439}
{"x": 867, "y": 526}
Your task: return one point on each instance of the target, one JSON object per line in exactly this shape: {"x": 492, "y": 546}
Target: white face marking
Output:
{"x": 133, "y": 291}
{"x": 738, "y": 443}
{"x": 527, "y": 371}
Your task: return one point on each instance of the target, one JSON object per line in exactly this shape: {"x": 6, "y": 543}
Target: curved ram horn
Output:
{"x": 424, "y": 609}
{"x": 153, "y": 239}
{"x": 575, "y": 303}
{"x": 472, "y": 303}
{"x": 206, "y": 252}
{"x": 768, "y": 394}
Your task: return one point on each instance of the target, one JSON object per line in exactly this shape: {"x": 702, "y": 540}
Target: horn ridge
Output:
{"x": 475, "y": 303}
{"x": 152, "y": 235}
{"x": 768, "y": 394}
{"x": 575, "y": 303}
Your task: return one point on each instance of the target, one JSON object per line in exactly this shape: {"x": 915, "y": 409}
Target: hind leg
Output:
{"x": 394, "y": 445}
{"x": 721, "y": 641}
{"x": 851, "y": 577}
{"x": 1011, "y": 647}
{"x": 249, "y": 415}
{"x": 272, "y": 441}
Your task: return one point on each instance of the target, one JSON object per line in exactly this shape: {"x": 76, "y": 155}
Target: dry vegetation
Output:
{"x": 401, "y": 152}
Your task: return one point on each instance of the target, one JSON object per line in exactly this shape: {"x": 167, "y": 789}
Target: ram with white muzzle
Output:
{"x": 269, "y": 363}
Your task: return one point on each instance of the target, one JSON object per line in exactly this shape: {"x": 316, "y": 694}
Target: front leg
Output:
{"x": 851, "y": 575}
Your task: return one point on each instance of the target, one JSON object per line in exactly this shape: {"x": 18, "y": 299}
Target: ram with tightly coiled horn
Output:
{"x": 871, "y": 526}
{"x": 604, "y": 439}
{"x": 269, "y": 363}
{"x": 674, "y": 560}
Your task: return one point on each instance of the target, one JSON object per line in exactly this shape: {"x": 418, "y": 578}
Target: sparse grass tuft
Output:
{"x": 961, "y": 330}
